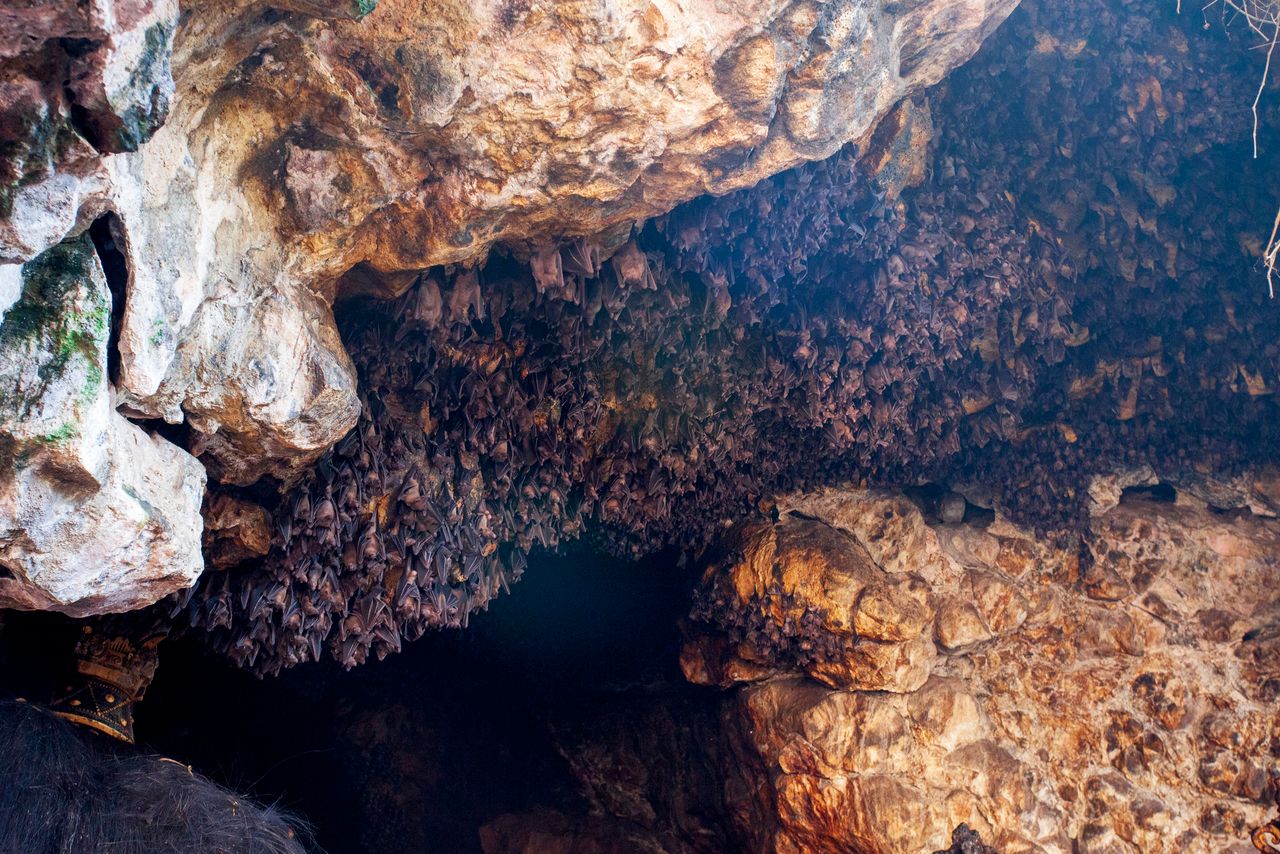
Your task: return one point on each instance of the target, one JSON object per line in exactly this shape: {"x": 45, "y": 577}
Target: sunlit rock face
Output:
{"x": 445, "y": 126}
{"x": 95, "y": 513}
{"x": 309, "y": 140}
{"x": 1122, "y": 703}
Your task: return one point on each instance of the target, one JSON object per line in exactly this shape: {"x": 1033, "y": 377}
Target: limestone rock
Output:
{"x": 802, "y": 590}
{"x": 250, "y": 358}
{"x": 235, "y": 530}
{"x": 707, "y": 659}
{"x": 1002, "y": 605}
{"x": 114, "y": 58}
{"x": 250, "y": 355}
{"x": 1105, "y": 490}
{"x": 874, "y": 666}
{"x": 960, "y": 626}
{"x": 1049, "y": 720}
{"x": 95, "y": 514}
{"x": 132, "y": 542}
{"x": 53, "y": 383}
{"x": 459, "y": 124}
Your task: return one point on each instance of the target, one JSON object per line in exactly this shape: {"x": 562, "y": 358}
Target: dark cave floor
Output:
{"x": 417, "y": 752}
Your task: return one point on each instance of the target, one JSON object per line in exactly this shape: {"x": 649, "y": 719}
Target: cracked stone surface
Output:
{"x": 96, "y": 514}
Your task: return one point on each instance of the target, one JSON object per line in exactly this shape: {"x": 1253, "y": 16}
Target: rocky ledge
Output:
{"x": 901, "y": 674}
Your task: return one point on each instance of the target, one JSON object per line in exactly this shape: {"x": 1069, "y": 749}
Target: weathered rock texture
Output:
{"x": 457, "y": 124}
{"x": 95, "y": 514}
{"x": 79, "y": 81}
{"x": 1122, "y": 704}
{"x": 300, "y": 149}
{"x": 235, "y": 530}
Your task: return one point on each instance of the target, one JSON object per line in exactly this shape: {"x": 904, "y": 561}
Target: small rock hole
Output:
{"x": 979, "y": 517}
{"x": 81, "y": 119}
{"x": 175, "y": 434}
{"x": 939, "y": 503}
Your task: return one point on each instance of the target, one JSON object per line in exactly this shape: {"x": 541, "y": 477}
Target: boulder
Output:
{"x": 96, "y": 514}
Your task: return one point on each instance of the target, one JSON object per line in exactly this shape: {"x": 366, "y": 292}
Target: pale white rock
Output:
{"x": 271, "y": 387}
{"x": 168, "y": 247}
{"x": 116, "y": 91}
{"x": 50, "y": 209}
{"x": 10, "y": 286}
{"x": 130, "y": 543}
{"x": 47, "y": 210}
{"x": 95, "y": 514}
{"x": 122, "y": 86}
{"x": 54, "y": 401}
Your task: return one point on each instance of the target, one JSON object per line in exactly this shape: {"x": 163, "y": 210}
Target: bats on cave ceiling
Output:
{"x": 428, "y": 305}
{"x": 465, "y": 298}
{"x": 547, "y": 269}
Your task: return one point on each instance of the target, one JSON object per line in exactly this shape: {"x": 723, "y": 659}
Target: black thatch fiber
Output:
{"x": 1072, "y": 288}
{"x": 66, "y": 789}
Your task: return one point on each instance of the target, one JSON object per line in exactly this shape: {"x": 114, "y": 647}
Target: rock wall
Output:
{"x": 902, "y": 674}
{"x": 96, "y": 514}
{"x": 258, "y": 161}
{"x": 299, "y": 150}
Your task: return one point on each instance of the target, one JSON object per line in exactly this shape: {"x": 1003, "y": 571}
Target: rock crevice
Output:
{"x": 95, "y": 513}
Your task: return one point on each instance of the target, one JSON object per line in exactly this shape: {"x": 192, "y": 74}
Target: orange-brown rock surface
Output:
{"x": 1123, "y": 703}
{"x": 235, "y": 530}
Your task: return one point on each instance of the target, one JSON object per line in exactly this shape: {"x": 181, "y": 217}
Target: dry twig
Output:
{"x": 1263, "y": 18}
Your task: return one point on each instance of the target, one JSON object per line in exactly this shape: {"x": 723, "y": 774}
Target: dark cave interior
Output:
{"x": 417, "y": 752}
{"x": 1071, "y": 288}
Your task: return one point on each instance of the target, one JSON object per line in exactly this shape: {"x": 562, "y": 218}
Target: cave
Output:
{"x": 841, "y": 427}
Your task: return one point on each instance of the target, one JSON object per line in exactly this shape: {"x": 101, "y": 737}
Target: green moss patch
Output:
{"x": 63, "y": 315}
